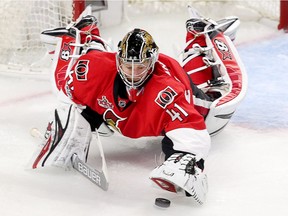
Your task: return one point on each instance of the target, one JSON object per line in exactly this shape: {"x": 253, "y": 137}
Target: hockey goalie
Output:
{"x": 139, "y": 92}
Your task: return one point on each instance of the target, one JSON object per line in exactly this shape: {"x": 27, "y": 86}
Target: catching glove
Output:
{"x": 180, "y": 173}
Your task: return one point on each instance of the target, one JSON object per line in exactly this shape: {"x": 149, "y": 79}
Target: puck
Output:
{"x": 162, "y": 202}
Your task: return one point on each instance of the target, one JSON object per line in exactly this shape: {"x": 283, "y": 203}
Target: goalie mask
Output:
{"x": 136, "y": 57}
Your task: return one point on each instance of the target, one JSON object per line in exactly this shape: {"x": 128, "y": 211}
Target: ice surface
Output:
{"x": 247, "y": 165}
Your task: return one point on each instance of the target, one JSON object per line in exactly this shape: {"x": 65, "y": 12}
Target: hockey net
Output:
{"x": 21, "y": 24}
{"x": 265, "y": 8}
{"x": 22, "y": 21}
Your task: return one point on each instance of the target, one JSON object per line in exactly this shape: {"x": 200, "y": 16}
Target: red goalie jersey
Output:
{"x": 164, "y": 104}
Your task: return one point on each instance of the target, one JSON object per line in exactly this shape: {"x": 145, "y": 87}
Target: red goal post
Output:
{"x": 283, "y": 19}
{"x": 80, "y": 5}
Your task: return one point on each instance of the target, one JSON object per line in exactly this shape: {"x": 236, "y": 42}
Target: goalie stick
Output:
{"x": 95, "y": 176}
{"x": 100, "y": 178}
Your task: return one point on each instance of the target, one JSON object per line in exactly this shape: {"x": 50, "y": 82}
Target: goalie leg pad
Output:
{"x": 180, "y": 173}
{"x": 68, "y": 134}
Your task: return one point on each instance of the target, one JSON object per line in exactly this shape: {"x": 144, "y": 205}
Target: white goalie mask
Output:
{"x": 136, "y": 57}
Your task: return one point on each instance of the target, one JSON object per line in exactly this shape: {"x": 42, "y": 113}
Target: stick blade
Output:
{"x": 95, "y": 176}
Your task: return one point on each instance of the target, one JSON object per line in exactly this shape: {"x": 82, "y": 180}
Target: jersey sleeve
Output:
{"x": 77, "y": 79}
{"x": 86, "y": 79}
{"x": 185, "y": 126}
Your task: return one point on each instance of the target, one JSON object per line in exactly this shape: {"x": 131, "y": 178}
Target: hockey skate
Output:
{"x": 198, "y": 25}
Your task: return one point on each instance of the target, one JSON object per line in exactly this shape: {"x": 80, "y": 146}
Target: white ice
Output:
{"x": 247, "y": 166}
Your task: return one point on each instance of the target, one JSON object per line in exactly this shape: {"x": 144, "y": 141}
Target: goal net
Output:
{"x": 22, "y": 21}
{"x": 264, "y": 8}
{"x": 21, "y": 24}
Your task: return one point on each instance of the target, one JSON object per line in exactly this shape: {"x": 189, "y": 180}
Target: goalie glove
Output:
{"x": 180, "y": 173}
{"x": 68, "y": 134}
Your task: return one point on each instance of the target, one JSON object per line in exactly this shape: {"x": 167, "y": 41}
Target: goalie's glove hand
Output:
{"x": 181, "y": 173}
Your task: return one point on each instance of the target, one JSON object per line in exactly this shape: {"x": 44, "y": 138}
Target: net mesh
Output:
{"x": 22, "y": 21}
{"x": 266, "y": 8}
{"x": 21, "y": 24}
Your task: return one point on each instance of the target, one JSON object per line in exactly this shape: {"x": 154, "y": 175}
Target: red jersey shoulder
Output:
{"x": 93, "y": 64}
{"x": 167, "y": 59}
{"x": 164, "y": 88}
{"x": 171, "y": 63}
{"x": 174, "y": 69}
{"x": 91, "y": 72}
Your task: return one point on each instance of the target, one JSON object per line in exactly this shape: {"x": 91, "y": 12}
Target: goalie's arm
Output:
{"x": 183, "y": 169}
{"x": 96, "y": 121}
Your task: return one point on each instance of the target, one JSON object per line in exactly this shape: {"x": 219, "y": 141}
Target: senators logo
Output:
{"x": 165, "y": 97}
{"x": 224, "y": 49}
{"x": 112, "y": 119}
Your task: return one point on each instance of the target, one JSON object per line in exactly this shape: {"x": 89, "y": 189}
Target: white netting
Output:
{"x": 21, "y": 24}
{"x": 265, "y": 8}
{"x": 22, "y": 21}
{"x": 269, "y": 9}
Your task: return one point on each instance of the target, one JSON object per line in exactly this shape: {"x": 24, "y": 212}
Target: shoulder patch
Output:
{"x": 165, "y": 97}
{"x": 81, "y": 70}
{"x": 103, "y": 102}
